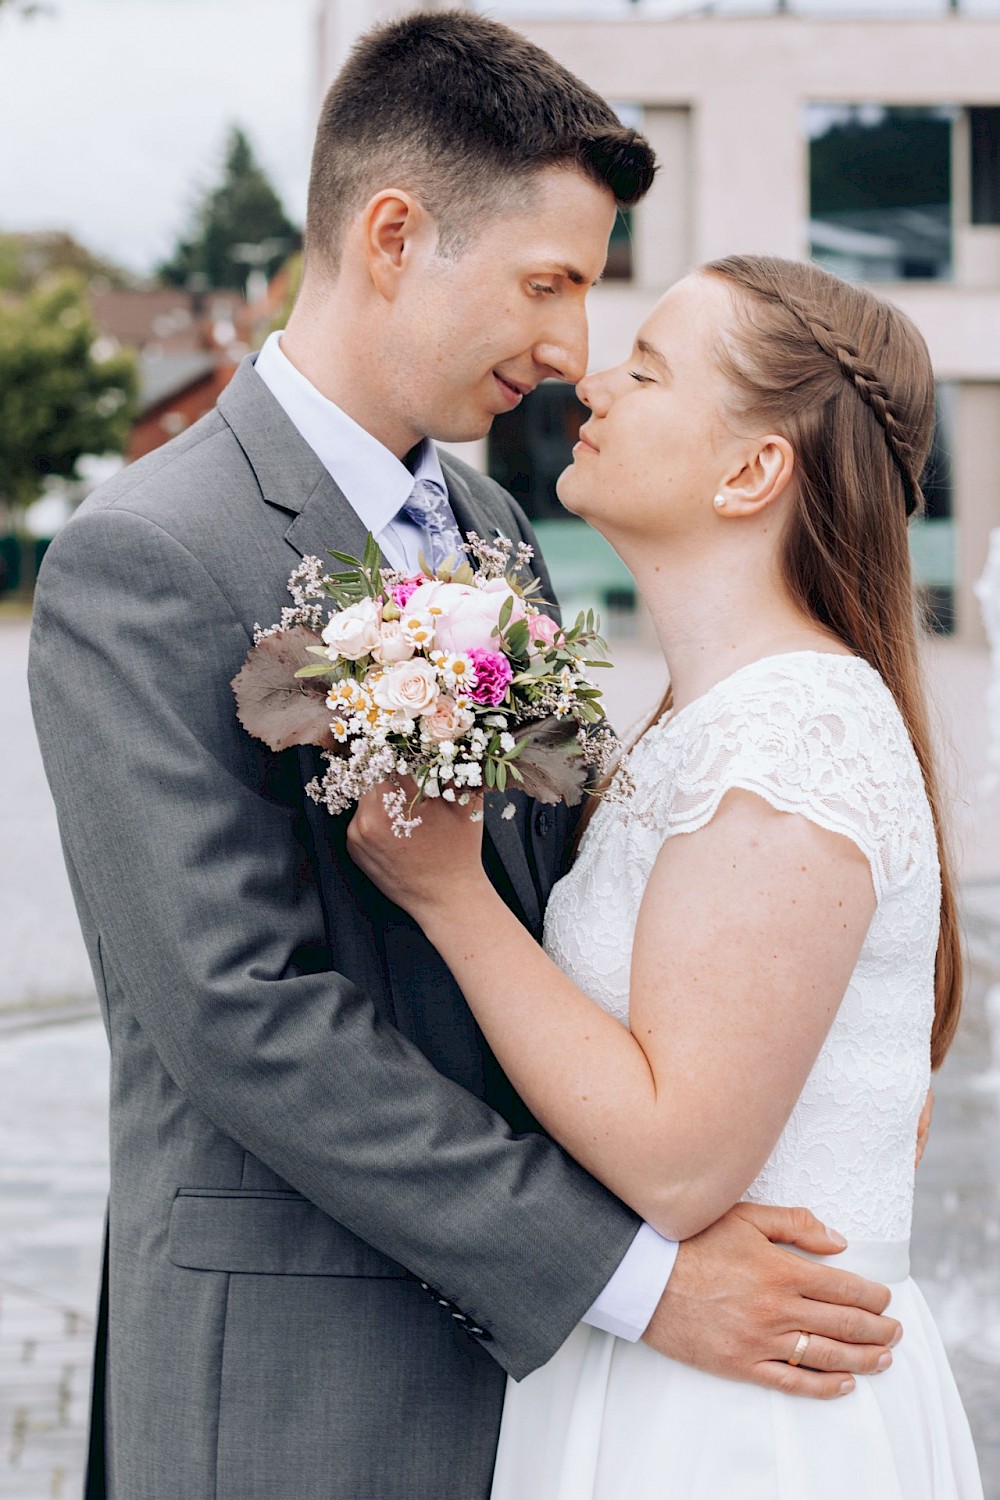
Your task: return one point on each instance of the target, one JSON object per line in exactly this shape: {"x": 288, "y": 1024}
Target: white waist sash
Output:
{"x": 877, "y": 1260}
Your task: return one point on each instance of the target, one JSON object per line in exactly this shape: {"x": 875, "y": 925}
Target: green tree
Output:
{"x": 238, "y": 226}
{"x": 29, "y": 258}
{"x": 59, "y": 399}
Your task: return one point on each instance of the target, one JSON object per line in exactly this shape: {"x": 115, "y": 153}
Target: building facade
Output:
{"x": 871, "y": 142}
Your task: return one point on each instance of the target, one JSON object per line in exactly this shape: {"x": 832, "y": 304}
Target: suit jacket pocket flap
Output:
{"x": 266, "y": 1233}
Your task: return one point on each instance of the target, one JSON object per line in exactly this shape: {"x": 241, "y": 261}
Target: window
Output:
{"x": 618, "y": 266}
{"x": 880, "y": 191}
{"x": 984, "y": 143}
{"x": 932, "y": 538}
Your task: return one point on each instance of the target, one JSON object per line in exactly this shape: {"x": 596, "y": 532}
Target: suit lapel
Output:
{"x": 290, "y": 476}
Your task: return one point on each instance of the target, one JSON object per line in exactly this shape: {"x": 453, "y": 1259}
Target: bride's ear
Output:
{"x": 762, "y": 479}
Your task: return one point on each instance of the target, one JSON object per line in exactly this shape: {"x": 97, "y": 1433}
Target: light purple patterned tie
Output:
{"x": 428, "y": 507}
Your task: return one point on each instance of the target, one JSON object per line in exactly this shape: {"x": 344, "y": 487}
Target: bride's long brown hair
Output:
{"x": 847, "y": 379}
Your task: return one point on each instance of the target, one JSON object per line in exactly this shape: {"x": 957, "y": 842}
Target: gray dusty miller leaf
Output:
{"x": 550, "y": 764}
{"x": 273, "y": 704}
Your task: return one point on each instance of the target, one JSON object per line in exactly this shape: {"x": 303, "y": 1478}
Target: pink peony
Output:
{"x": 543, "y": 631}
{"x": 493, "y": 677}
{"x": 402, "y": 592}
{"x": 464, "y": 616}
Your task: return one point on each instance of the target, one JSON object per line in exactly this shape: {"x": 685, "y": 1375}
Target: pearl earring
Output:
{"x": 719, "y": 502}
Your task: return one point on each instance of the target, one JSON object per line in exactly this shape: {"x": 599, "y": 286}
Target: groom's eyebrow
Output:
{"x": 571, "y": 274}
{"x": 651, "y": 352}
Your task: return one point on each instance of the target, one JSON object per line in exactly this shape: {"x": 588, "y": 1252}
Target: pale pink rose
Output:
{"x": 446, "y": 721}
{"x": 409, "y": 687}
{"x": 543, "y": 631}
{"x": 464, "y": 617}
{"x": 393, "y": 645}
{"x": 353, "y": 632}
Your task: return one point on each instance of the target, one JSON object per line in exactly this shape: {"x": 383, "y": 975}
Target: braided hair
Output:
{"x": 847, "y": 379}
{"x": 861, "y": 375}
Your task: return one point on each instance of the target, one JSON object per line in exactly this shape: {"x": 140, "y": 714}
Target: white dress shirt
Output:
{"x": 376, "y": 484}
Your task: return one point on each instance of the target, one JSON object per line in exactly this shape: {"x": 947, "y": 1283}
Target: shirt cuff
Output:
{"x": 629, "y": 1300}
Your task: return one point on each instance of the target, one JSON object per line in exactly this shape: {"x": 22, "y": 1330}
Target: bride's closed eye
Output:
{"x": 642, "y": 379}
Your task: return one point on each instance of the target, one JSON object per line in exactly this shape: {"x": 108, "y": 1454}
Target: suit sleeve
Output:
{"x": 195, "y": 879}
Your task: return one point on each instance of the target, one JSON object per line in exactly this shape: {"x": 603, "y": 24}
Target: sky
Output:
{"x": 114, "y": 112}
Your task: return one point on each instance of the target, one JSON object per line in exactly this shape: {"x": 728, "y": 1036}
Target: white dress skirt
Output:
{"x": 610, "y": 1420}
{"x": 818, "y": 735}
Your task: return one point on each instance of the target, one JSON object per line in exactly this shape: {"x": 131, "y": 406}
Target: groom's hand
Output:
{"x": 736, "y": 1304}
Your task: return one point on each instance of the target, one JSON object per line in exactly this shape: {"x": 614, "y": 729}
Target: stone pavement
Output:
{"x": 53, "y": 1089}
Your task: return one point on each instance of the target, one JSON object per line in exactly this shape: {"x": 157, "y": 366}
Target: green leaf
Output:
{"x": 506, "y": 610}
{"x": 315, "y": 669}
{"x": 518, "y": 638}
{"x": 490, "y": 773}
{"x": 501, "y": 777}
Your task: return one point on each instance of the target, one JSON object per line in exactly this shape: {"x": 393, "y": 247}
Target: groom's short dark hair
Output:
{"x": 461, "y": 111}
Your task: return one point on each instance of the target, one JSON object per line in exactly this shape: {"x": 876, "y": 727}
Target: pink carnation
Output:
{"x": 493, "y": 677}
{"x": 402, "y": 592}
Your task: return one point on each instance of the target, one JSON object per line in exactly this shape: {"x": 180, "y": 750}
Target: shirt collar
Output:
{"x": 375, "y": 483}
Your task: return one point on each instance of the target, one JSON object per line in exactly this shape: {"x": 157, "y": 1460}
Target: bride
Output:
{"x": 753, "y": 963}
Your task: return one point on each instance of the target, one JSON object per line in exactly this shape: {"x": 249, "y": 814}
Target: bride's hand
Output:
{"x": 436, "y": 868}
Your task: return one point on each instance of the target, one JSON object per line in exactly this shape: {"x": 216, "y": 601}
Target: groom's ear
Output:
{"x": 393, "y": 225}
{"x": 762, "y": 478}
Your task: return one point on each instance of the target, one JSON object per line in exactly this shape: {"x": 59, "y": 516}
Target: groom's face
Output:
{"x": 473, "y": 333}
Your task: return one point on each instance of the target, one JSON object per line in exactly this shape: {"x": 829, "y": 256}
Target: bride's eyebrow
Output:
{"x": 651, "y": 352}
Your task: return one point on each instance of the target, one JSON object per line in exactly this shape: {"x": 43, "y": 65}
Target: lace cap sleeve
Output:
{"x": 814, "y": 734}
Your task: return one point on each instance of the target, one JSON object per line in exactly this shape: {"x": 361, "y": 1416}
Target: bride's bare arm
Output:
{"x": 747, "y": 936}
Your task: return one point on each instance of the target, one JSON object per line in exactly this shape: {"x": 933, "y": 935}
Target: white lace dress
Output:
{"x": 819, "y": 735}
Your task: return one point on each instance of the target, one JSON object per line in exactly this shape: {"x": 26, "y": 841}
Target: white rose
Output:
{"x": 464, "y": 617}
{"x": 409, "y": 687}
{"x": 353, "y": 632}
{"x": 392, "y": 645}
{"x": 445, "y": 721}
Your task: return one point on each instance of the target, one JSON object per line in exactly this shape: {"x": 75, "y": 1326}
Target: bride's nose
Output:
{"x": 592, "y": 391}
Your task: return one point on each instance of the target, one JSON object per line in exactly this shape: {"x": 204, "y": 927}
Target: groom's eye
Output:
{"x": 539, "y": 286}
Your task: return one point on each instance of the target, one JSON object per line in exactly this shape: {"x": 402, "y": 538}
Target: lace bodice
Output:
{"x": 820, "y": 735}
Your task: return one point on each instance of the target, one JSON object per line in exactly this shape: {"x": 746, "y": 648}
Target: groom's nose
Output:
{"x": 562, "y": 349}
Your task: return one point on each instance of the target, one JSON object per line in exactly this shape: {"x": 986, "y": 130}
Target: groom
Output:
{"x": 333, "y": 1228}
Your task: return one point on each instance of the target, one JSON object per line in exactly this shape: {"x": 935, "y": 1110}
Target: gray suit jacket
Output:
{"x": 306, "y": 1123}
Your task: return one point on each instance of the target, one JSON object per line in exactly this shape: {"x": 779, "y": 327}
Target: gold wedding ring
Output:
{"x": 798, "y": 1353}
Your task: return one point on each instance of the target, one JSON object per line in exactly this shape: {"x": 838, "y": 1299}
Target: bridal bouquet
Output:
{"x": 457, "y": 680}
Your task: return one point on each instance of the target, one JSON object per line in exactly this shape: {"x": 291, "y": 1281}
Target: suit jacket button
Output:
{"x": 543, "y": 821}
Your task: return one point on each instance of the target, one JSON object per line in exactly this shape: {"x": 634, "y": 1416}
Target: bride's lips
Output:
{"x": 583, "y": 443}
{"x": 512, "y": 391}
